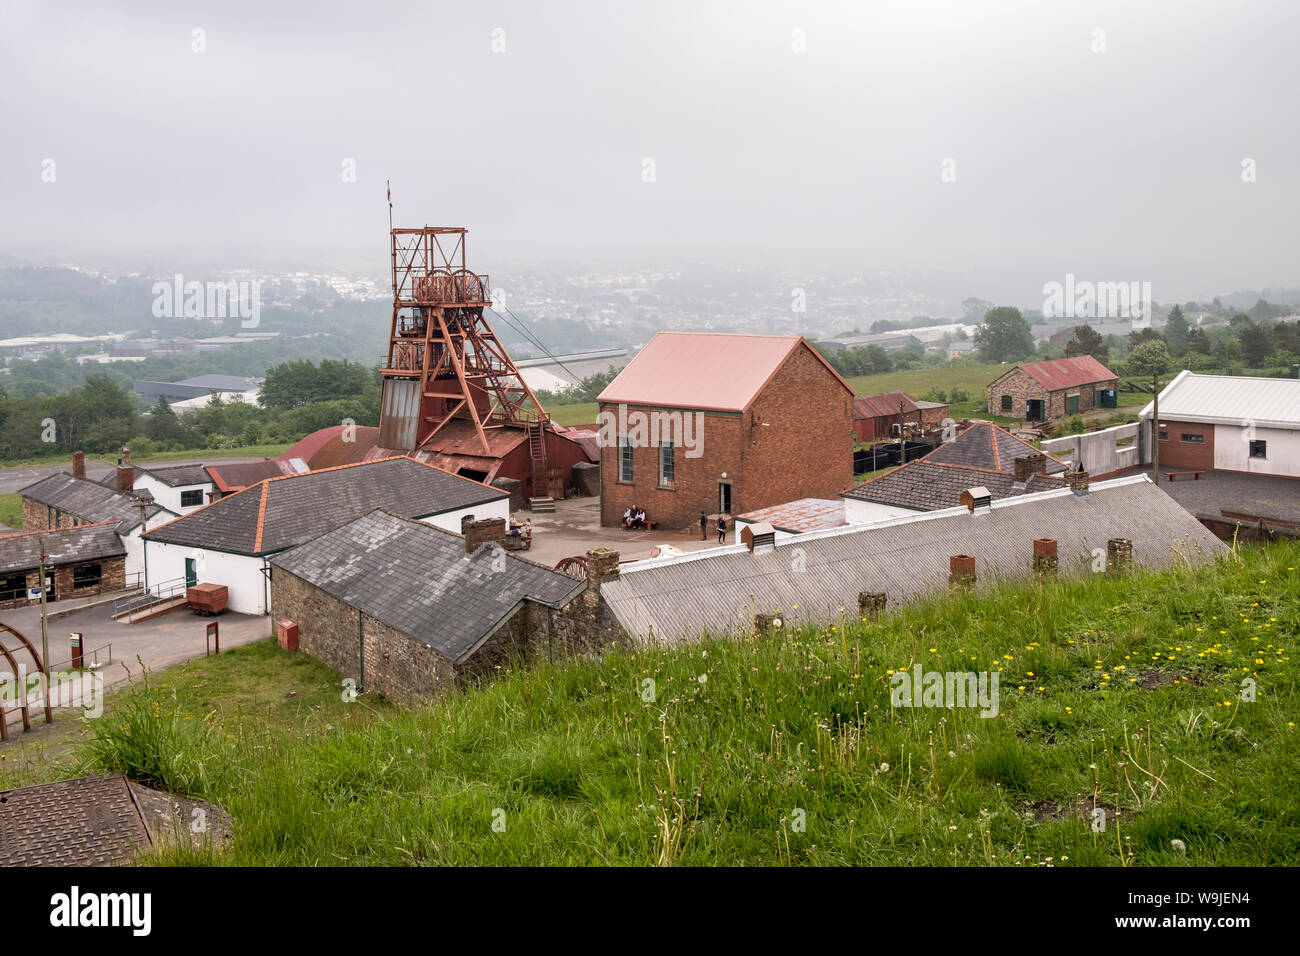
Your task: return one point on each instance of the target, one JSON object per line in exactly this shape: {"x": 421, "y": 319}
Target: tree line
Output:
{"x": 101, "y": 415}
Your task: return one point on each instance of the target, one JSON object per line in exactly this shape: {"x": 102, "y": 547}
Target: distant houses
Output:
{"x": 1039, "y": 391}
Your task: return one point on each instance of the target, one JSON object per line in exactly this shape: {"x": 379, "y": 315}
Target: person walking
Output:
{"x": 704, "y": 526}
{"x": 722, "y": 530}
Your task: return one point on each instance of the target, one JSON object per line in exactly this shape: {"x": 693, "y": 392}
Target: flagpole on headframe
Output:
{"x": 389, "y": 183}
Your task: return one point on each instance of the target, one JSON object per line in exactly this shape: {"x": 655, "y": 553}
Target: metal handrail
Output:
{"x": 86, "y": 662}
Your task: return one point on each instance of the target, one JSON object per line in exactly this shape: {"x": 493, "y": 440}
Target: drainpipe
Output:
{"x": 266, "y": 586}
{"x": 361, "y": 655}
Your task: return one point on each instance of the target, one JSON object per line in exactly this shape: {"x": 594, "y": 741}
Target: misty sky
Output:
{"x": 1117, "y": 165}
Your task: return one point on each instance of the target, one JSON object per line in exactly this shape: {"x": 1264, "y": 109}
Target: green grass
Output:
{"x": 584, "y": 414}
{"x": 185, "y": 454}
{"x": 11, "y": 511}
{"x": 779, "y": 750}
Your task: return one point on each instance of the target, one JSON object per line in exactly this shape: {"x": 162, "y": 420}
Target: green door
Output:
{"x": 191, "y": 572}
{"x": 1072, "y": 404}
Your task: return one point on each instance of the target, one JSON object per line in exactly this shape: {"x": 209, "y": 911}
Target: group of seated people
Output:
{"x": 634, "y": 517}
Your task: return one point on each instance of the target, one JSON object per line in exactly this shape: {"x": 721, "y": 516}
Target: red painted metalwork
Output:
{"x": 444, "y": 362}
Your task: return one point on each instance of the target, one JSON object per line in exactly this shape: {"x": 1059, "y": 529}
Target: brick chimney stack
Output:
{"x": 602, "y": 565}
{"x": 961, "y": 572}
{"x": 1045, "y": 558}
{"x": 125, "y": 478}
{"x": 78, "y": 464}
{"x": 480, "y": 532}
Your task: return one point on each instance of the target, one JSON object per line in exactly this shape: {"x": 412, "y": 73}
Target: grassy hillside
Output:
{"x": 1115, "y": 695}
{"x": 11, "y": 512}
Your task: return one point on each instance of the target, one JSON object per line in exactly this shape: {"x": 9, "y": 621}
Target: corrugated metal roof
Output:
{"x": 1231, "y": 400}
{"x": 718, "y": 591}
{"x": 704, "y": 370}
{"x": 1056, "y": 374}
{"x": 883, "y": 405}
{"x": 806, "y": 514}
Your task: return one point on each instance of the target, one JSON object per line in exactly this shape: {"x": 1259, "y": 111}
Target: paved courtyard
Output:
{"x": 1219, "y": 491}
{"x": 575, "y": 527}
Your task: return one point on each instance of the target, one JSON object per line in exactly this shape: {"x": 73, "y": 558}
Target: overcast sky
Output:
{"x": 1106, "y": 139}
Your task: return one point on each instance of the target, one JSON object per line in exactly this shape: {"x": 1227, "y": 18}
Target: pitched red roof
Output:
{"x": 709, "y": 371}
{"x": 883, "y": 405}
{"x": 1056, "y": 374}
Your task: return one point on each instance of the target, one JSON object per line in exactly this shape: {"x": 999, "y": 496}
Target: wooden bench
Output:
{"x": 1175, "y": 475}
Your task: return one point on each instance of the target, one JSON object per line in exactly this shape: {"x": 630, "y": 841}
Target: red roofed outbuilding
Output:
{"x": 723, "y": 424}
{"x": 1044, "y": 390}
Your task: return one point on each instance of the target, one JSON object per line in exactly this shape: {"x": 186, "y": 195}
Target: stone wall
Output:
{"x": 1022, "y": 387}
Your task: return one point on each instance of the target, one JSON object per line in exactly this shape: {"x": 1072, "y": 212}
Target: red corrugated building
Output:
{"x": 723, "y": 424}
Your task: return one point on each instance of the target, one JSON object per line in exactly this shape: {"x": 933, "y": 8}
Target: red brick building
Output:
{"x": 723, "y": 424}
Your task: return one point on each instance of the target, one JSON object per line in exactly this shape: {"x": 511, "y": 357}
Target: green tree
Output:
{"x": 1088, "y": 341}
{"x": 1150, "y": 358}
{"x": 1198, "y": 341}
{"x": 1176, "y": 331}
{"x": 1004, "y": 336}
{"x": 1256, "y": 345}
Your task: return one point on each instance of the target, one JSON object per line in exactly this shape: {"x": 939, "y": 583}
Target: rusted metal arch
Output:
{"x": 575, "y": 567}
{"x": 13, "y": 662}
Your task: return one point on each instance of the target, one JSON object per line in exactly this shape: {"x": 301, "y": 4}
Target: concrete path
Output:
{"x": 162, "y": 642}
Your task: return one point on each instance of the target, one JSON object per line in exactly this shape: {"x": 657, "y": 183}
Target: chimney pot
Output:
{"x": 961, "y": 572}
{"x": 1045, "y": 559}
{"x": 1077, "y": 481}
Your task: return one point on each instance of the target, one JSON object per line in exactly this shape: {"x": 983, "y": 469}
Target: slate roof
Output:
{"x": 717, "y": 591}
{"x": 96, "y": 821}
{"x": 989, "y": 447}
{"x": 983, "y": 454}
{"x": 709, "y": 371}
{"x": 924, "y": 486}
{"x": 89, "y": 500}
{"x": 281, "y": 513}
{"x": 417, "y": 578}
{"x": 176, "y": 476}
{"x": 230, "y": 478}
{"x": 87, "y": 542}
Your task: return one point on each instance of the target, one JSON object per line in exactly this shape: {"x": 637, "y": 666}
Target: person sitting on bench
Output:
{"x": 627, "y": 519}
{"x": 640, "y": 519}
